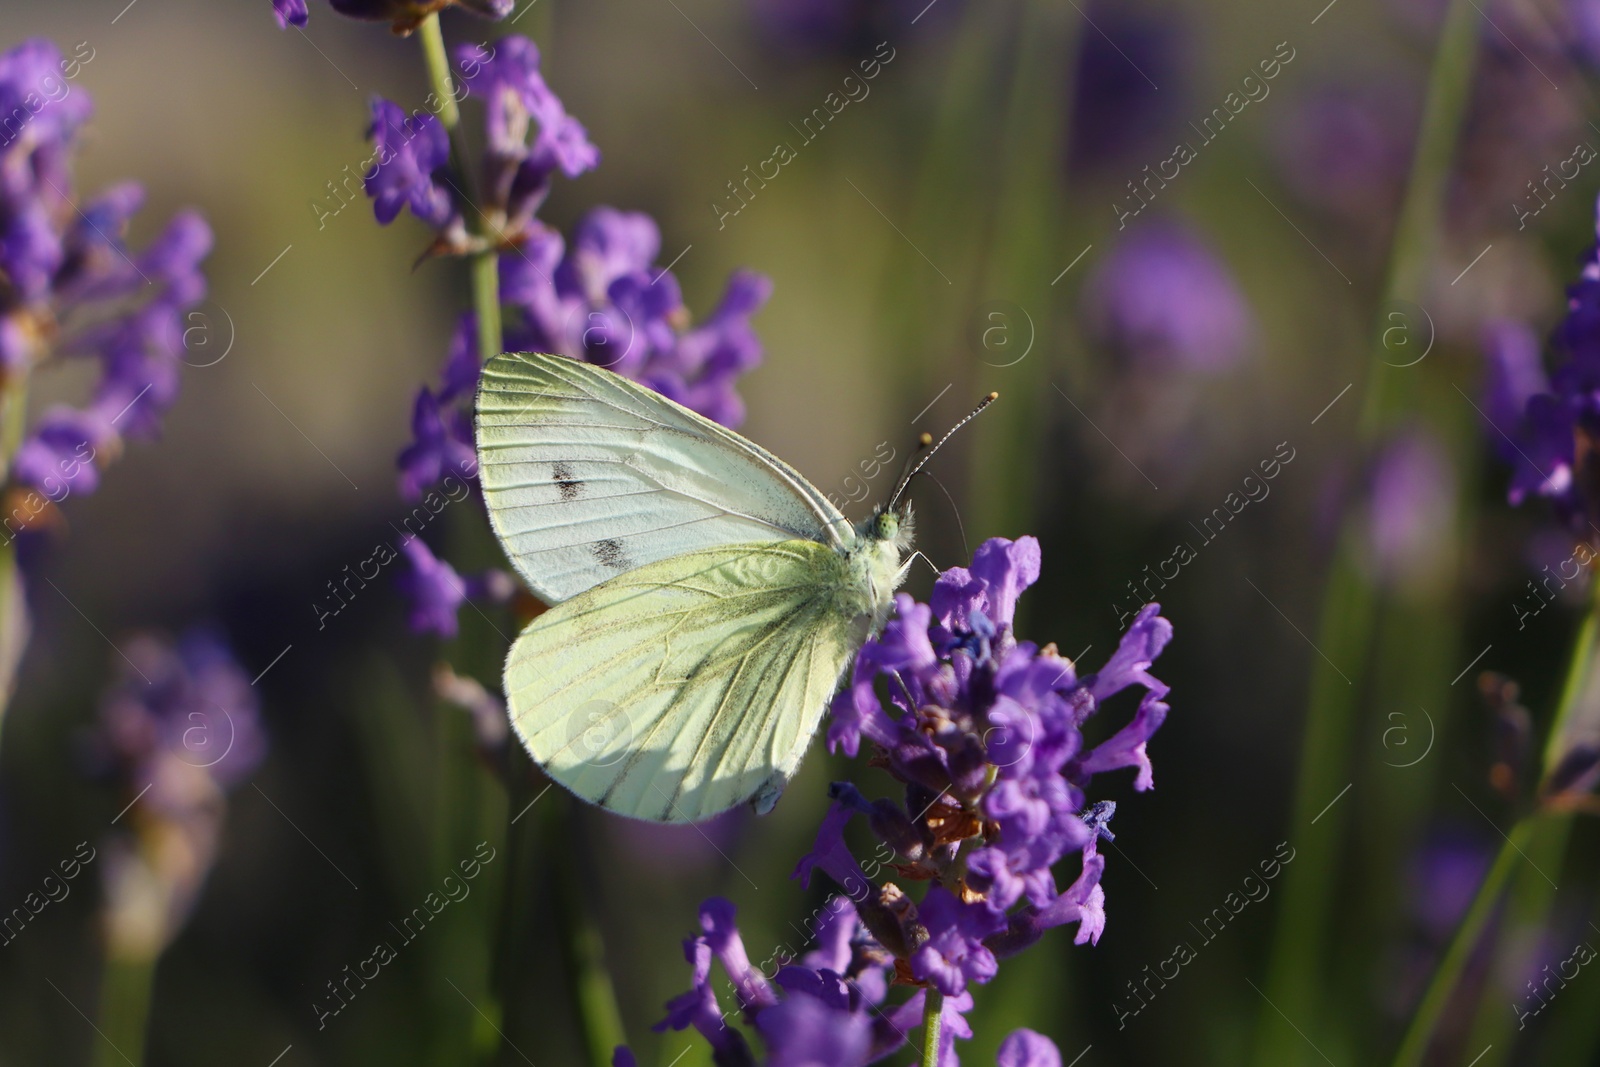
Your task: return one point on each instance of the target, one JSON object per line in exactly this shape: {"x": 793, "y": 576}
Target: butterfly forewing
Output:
{"x": 686, "y": 686}
{"x": 588, "y": 475}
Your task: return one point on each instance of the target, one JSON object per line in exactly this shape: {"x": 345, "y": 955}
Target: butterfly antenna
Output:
{"x": 924, "y": 454}
{"x": 924, "y": 442}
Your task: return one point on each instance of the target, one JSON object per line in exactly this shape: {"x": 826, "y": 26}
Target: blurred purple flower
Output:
{"x": 1162, "y": 299}
{"x": 437, "y": 592}
{"x": 71, "y": 287}
{"x": 490, "y": 727}
{"x": 61, "y": 456}
{"x": 1559, "y": 415}
{"x": 177, "y": 730}
{"x": 1348, "y": 149}
{"x": 191, "y": 699}
{"x": 42, "y": 117}
{"x": 1515, "y": 375}
{"x": 290, "y": 12}
{"x": 1443, "y": 877}
{"x": 443, "y": 446}
{"x": 1411, "y": 505}
{"x": 1584, "y": 18}
{"x": 1026, "y": 1048}
{"x": 814, "y": 29}
{"x": 1118, "y": 115}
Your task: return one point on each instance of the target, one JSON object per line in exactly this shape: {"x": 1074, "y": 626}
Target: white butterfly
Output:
{"x": 707, "y": 599}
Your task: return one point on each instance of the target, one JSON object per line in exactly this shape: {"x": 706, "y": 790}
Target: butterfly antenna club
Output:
{"x": 925, "y": 453}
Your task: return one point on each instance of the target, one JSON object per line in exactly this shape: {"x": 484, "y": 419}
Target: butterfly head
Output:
{"x": 877, "y": 561}
{"x": 889, "y": 527}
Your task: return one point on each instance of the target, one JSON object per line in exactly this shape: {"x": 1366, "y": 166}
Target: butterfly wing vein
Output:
{"x": 683, "y": 687}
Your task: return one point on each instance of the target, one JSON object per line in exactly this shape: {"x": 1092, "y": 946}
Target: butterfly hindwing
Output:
{"x": 588, "y": 475}
{"x": 686, "y": 686}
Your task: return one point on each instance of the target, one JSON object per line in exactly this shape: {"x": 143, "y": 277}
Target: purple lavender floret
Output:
{"x": 290, "y": 12}
{"x": 529, "y": 136}
{"x": 604, "y": 301}
{"x": 517, "y": 172}
{"x": 58, "y": 458}
{"x": 436, "y": 592}
{"x": 442, "y": 446}
{"x": 410, "y": 151}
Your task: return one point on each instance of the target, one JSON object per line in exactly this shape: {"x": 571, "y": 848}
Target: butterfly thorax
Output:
{"x": 876, "y": 563}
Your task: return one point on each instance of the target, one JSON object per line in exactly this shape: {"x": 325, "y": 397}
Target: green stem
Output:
{"x": 438, "y": 61}
{"x": 1530, "y": 898}
{"x": 1520, "y": 841}
{"x": 1578, "y": 670}
{"x": 13, "y": 609}
{"x": 485, "y": 286}
{"x": 124, "y": 1011}
{"x": 486, "y": 303}
{"x": 485, "y": 263}
{"x": 13, "y": 414}
{"x": 1026, "y": 236}
{"x": 932, "y": 1018}
{"x": 1415, "y": 1043}
{"x": 1416, "y": 231}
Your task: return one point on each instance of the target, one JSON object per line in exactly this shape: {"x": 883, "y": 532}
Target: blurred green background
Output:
{"x": 949, "y": 195}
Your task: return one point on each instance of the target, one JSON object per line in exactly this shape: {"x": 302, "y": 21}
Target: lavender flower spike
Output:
{"x": 983, "y": 732}
{"x": 180, "y": 728}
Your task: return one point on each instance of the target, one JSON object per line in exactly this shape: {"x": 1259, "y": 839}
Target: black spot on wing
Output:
{"x": 609, "y": 552}
{"x": 568, "y": 486}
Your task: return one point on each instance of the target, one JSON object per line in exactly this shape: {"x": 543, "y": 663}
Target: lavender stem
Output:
{"x": 486, "y": 263}
{"x": 932, "y": 1017}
